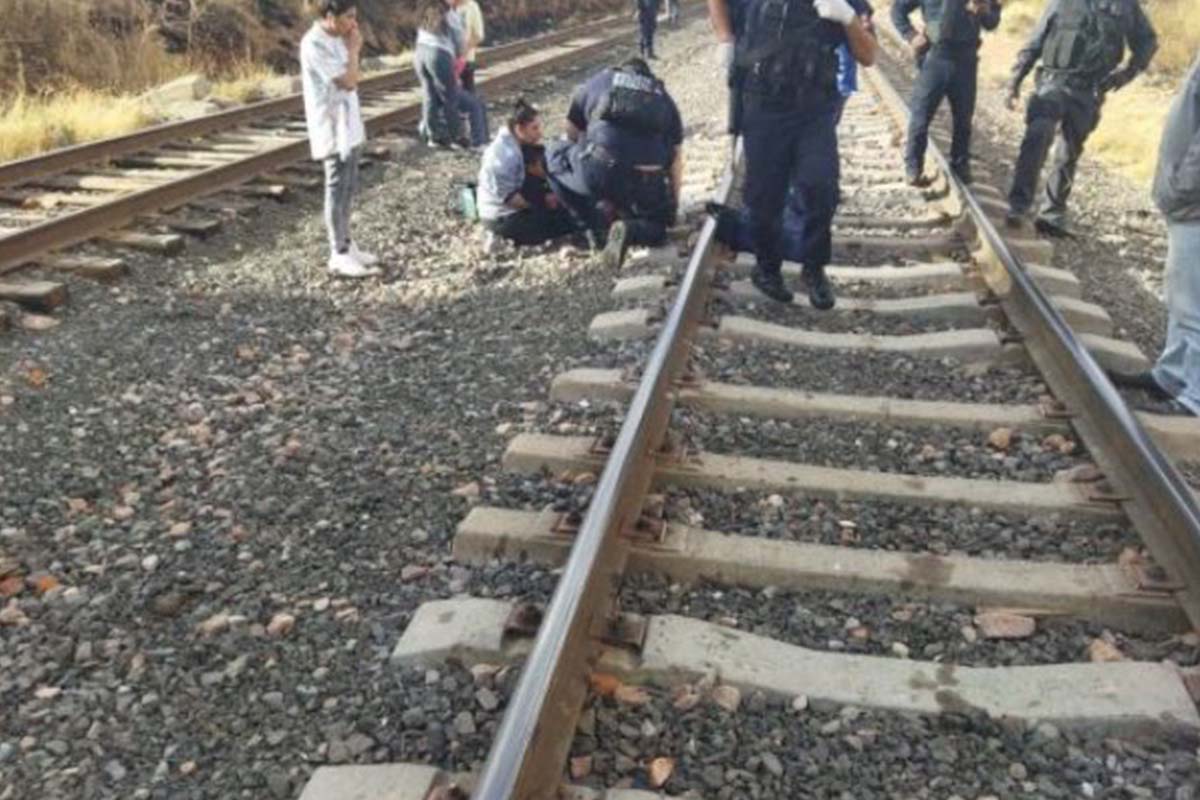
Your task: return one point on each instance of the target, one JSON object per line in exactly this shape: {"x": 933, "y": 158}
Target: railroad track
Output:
{"x": 948, "y": 335}
{"x": 154, "y": 189}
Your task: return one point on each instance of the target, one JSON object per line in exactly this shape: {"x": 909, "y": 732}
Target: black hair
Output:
{"x": 638, "y": 65}
{"x": 431, "y": 16}
{"x": 334, "y": 7}
{"x": 523, "y": 112}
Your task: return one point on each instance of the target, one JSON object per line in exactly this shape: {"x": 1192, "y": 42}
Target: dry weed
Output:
{"x": 32, "y": 125}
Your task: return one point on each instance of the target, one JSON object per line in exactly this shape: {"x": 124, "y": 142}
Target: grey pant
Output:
{"x": 1178, "y": 368}
{"x": 1070, "y": 114}
{"x": 440, "y": 103}
{"x": 341, "y": 184}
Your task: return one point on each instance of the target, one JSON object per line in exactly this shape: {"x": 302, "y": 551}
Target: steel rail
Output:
{"x": 1159, "y": 502}
{"x": 533, "y": 741}
{"x": 15, "y": 172}
{"x": 26, "y": 244}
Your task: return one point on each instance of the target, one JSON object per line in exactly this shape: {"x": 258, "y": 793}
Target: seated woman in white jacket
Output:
{"x": 514, "y": 196}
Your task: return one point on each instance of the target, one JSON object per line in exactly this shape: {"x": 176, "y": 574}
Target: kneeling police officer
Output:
{"x": 620, "y": 169}
{"x": 783, "y": 68}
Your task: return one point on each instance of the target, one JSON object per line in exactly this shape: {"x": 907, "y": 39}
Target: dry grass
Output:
{"x": 70, "y": 70}
{"x": 1178, "y": 26}
{"x": 242, "y": 84}
{"x": 31, "y": 125}
{"x": 49, "y": 45}
{"x": 1176, "y": 21}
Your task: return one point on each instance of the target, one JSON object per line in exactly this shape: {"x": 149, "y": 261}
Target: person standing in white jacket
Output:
{"x": 329, "y": 64}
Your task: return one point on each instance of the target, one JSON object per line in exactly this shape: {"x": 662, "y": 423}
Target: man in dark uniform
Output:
{"x": 782, "y": 59}
{"x": 621, "y": 167}
{"x": 1081, "y": 44}
{"x": 948, "y": 53}
{"x": 647, "y": 14}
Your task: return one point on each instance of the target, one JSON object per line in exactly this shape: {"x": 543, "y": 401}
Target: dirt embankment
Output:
{"x": 129, "y": 45}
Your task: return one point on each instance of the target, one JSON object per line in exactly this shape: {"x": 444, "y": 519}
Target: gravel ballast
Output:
{"x": 881, "y": 448}
{"x": 891, "y": 626}
{"x": 904, "y": 528}
{"x": 774, "y": 748}
{"x": 868, "y": 373}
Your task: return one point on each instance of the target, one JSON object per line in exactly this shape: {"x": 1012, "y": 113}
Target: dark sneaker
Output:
{"x": 820, "y": 290}
{"x": 1049, "y": 227}
{"x": 916, "y": 179}
{"x": 617, "y": 246}
{"x": 1142, "y": 381}
{"x": 771, "y": 284}
{"x": 964, "y": 174}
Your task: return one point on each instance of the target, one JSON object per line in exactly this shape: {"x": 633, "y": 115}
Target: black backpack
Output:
{"x": 781, "y": 48}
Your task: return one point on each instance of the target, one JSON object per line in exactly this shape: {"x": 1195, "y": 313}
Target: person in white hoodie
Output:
{"x": 329, "y": 64}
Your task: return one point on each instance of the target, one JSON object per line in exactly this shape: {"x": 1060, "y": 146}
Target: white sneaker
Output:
{"x": 345, "y": 265}
{"x": 366, "y": 259}
{"x": 491, "y": 243}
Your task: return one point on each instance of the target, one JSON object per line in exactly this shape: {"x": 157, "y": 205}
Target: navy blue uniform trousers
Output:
{"x": 792, "y": 164}
{"x": 947, "y": 73}
{"x": 597, "y": 189}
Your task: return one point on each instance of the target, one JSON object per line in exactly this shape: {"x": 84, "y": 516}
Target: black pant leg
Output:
{"x": 533, "y": 226}
{"x": 652, "y": 209}
{"x": 1081, "y": 116}
{"x": 1041, "y": 123}
{"x": 962, "y": 95}
{"x": 927, "y": 94}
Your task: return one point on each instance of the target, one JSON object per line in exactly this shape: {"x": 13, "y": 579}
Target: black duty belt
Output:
{"x": 1069, "y": 80}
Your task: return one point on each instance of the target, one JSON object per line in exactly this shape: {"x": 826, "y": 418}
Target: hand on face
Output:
{"x": 347, "y": 28}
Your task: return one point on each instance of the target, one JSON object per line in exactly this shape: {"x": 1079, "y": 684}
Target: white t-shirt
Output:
{"x": 335, "y": 125}
{"x": 473, "y": 27}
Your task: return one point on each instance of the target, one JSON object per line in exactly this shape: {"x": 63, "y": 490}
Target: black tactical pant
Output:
{"x": 534, "y": 225}
{"x": 1069, "y": 113}
{"x": 597, "y": 189}
{"x": 947, "y": 73}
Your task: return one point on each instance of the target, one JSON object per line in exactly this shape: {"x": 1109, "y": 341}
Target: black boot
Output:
{"x": 617, "y": 246}
{"x": 820, "y": 290}
{"x": 1143, "y": 381}
{"x": 771, "y": 284}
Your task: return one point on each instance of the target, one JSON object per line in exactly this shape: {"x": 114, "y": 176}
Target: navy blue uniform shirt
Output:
{"x": 833, "y": 32}
{"x": 946, "y": 21}
{"x": 626, "y": 146}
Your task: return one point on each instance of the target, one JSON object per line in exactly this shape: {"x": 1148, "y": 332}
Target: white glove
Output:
{"x": 725, "y": 55}
{"x": 835, "y": 11}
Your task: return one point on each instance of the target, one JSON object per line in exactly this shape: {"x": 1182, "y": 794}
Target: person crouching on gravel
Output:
{"x": 1175, "y": 379}
{"x": 514, "y": 196}
{"x": 329, "y": 56}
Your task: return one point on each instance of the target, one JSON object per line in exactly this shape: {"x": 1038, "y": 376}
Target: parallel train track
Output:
{"x": 162, "y": 180}
{"x": 979, "y": 301}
